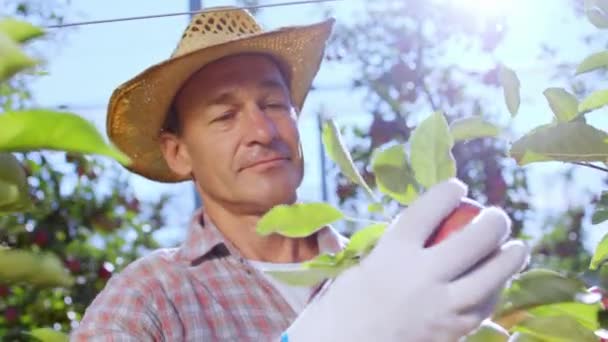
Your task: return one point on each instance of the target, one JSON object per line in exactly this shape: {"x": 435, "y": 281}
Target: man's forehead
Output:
{"x": 230, "y": 72}
{"x": 243, "y": 66}
{"x": 216, "y": 82}
{"x": 224, "y": 94}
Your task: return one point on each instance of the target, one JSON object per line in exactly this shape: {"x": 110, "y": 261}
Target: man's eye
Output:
{"x": 224, "y": 117}
{"x": 276, "y": 105}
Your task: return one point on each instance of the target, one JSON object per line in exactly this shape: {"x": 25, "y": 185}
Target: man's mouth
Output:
{"x": 266, "y": 162}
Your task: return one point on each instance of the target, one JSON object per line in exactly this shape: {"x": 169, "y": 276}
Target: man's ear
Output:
{"x": 175, "y": 153}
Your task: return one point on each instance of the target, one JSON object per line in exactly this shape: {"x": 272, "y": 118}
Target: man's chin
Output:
{"x": 267, "y": 192}
{"x": 278, "y": 199}
{"x": 269, "y": 200}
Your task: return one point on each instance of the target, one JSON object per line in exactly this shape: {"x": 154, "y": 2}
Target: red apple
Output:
{"x": 41, "y": 237}
{"x": 133, "y": 205}
{"x": 80, "y": 170}
{"x": 72, "y": 264}
{"x": 466, "y": 211}
{"x": 11, "y": 314}
{"x": 105, "y": 271}
{"x": 345, "y": 190}
{"x": 5, "y": 291}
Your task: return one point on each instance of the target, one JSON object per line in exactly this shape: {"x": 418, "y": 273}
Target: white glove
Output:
{"x": 404, "y": 292}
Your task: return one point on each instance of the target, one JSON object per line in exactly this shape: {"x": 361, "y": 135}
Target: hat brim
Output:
{"x": 138, "y": 108}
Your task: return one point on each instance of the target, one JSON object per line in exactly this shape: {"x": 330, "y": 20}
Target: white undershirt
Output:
{"x": 296, "y": 296}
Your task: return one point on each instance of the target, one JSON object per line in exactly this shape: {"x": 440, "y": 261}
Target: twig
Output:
{"x": 53, "y": 175}
{"x": 363, "y": 220}
{"x": 591, "y": 166}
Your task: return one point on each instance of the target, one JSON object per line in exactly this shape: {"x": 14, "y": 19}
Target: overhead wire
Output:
{"x": 217, "y": 9}
{"x": 208, "y": 10}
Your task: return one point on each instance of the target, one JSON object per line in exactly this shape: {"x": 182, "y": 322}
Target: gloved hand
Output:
{"x": 404, "y": 292}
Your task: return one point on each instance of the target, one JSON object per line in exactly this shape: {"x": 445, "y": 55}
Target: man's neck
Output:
{"x": 240, "y": 230}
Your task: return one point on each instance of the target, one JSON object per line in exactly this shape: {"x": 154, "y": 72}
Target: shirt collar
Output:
{"x": 203, "y": 236}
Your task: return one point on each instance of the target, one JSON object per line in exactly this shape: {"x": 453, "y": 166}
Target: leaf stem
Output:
{"x": 591, "y": 166}
{"x": 363, "y": 220}
{"x": 369, "y": 192}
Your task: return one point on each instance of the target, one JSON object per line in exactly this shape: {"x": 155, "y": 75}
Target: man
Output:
{"x": 223, "y": 112}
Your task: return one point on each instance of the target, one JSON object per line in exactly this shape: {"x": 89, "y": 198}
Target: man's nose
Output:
{"x": 260, "y": 127}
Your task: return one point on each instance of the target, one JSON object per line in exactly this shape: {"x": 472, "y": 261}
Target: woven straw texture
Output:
{"x": 138, "y": 108}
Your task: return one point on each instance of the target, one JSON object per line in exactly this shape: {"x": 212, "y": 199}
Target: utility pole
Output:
{"x": 324, "y": 195}
{"x": 195, "y": 6}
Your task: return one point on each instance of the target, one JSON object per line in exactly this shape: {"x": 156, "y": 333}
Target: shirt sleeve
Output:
{"x": 121, "y": 312}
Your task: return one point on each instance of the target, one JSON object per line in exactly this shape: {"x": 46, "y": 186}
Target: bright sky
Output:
{"x": 92, "y": 60}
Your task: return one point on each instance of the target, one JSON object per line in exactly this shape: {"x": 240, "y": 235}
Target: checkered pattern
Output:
{"x": 202, "y": 291}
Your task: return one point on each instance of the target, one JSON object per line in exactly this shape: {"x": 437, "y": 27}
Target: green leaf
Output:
{"x": 14, "y": 194}
{"x": 48, "y": 335}
{"x": 603, "y": 271}
{"x": 330, "y": 266}
{"x": 511, "y": 87}
{"x": 596, "y": 100}
{"x": 473, "y": 128}
{"x": 364, "y": 240}
{"x": 604, "y": 198}
{"x": 585, "y": 314}
{"x": 62, "y": 131}
{"x": 535, "y": 288}
{"x": 298, "y": 220}
{"x": 18, "y": 266}
{"x": 337, "y": 151}
{"x": 322, "y": 261}
{"x": 562, "y": 141}
{"x": 305, "y": 276}
{"x": 521, "y": 337}
{"x": 532, "y": 157}
{"x": 12, "y": 59}
{"x": 9, "y": 194}
{"x": 601, "y": 254}
{"x": 393, "y": 174}
{"x": 563, "y": 104}
{"x": 599, "y": 216}
{"x": 375, "y": 207}
{"x": 431, "y": 151}
{"x": 488, "y": 332}
{"x": 525, "y": 237}
{"x": 19, "y": 31}
{"x": 324, "y": 266}
{"x": 556, "y": 329}
{"x": 595, "y": 61}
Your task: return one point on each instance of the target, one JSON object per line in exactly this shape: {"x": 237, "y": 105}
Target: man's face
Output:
{"x": 239, "y": 134}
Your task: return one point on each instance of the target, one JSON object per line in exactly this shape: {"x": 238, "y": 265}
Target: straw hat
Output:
{"x": 138, "y": 108}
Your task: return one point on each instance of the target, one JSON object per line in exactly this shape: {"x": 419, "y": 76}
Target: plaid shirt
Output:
{"x": 203, "y": 290}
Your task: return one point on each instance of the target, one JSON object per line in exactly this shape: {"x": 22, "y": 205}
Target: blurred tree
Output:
{"x": 399, "y": 49}
{"x": 41, "y": 12}
{"x": 88, "y": 217}
{"x": 403, "y": 51}
{"x": 84, "y": 212}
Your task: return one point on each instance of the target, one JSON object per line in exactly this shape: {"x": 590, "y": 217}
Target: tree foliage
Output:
{"x": 68, "y": 220}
